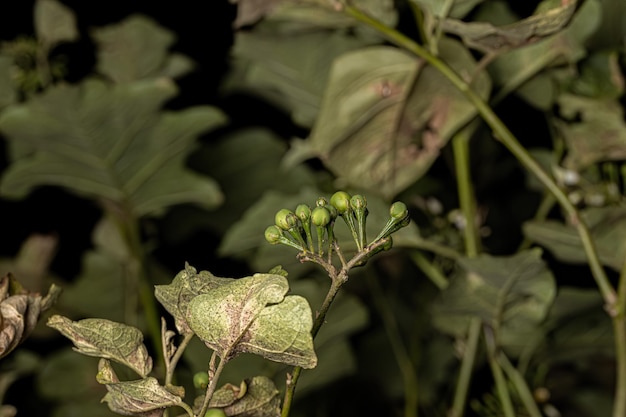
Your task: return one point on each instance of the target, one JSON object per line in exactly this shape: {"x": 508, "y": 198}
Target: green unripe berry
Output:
{"x": 215, "y": 412}
{"x": 398, "y": 210}
{"x": 320, "y": 216}
{"x": 201, "y": 380}
{"x": 341, "y": 201}
{"x": 358, "y": 202}
{"x": 285, "y": 219}
{"x": 303, "y": 212}
{"x": 273, "y": 234}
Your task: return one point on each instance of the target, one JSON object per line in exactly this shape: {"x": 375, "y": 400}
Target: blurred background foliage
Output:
{"x": 137, "y": 136}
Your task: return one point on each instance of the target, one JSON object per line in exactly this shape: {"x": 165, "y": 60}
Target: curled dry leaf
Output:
{"x": 19, "y": 312}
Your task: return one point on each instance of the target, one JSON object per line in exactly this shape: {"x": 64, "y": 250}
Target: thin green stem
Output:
{"x": 460, "y": 148}
{"x": 504, "y": 135}
{"x": 501, "y": 386}
{"x": 437, "y": 248}
{"x": 520, "y": 385}
{"x": 431, "y": 271}
{"x": 467, "y": 366}
{"x": 406, "y": 366}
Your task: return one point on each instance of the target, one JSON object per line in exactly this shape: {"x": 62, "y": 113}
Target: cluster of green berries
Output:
{"x": 296, "y": 228}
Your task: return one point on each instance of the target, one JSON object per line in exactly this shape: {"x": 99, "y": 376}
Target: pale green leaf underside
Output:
{"x": 109, "y": 142}
{"x": 106, "y": 339}
{"x": 261, "y": 398}
{"x": 253, "y": 315}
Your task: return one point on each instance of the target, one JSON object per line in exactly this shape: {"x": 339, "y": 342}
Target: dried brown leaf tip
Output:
{"x": 19, "y": 312}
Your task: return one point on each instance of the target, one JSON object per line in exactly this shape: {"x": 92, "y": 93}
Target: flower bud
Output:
{"x": 273, "y": 234}
{"x": 215, "y": 412}
{"x": 303, "y": 212}
{"x": 321, "y": 202}
{"x": 398, "y": 210}
{"x": 358, "y": 202}
{"x": 341, "y": 201}
{"x": 320, "y": 216}
{"x": 285, "y": 219}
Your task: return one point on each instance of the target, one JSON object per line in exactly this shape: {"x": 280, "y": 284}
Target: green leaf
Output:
{"x": 600, "y": 76}
{"x": 54, "y": 23}
{"x": 8, "y": 95}
{"x": 438, "y": 8}
{"x": 137, "y": 48}
{"x": 511, "y": 294}
{"x": 290, "y": 71}
{"x": 134, "y": 397}
{"x": 606, "y": 224}
{"x": 187, "y": 284}
{"x": 256, "y": 397}
{"x": 596, "y": 133}
{"x": 384, "y": 118}
{"x": 111, "y": 143}
{"x": 489, "y": 38}
{"x": 253, "y": 315}
{"x": 106, "y": 339}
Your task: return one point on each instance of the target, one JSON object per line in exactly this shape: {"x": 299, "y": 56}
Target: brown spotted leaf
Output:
{"x": 255, "y": 397}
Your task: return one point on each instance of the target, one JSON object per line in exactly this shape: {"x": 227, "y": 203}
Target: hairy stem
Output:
{"x": 214, "y": 376}
{"x": 499, "y": 379}
{"x": 467, "y": 366}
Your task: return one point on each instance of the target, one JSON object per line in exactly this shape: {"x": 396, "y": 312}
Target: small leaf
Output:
{"x": 54, "y": 23}
{"x": 187, "y": 284}
{"x": 252, "y": 314}
{"x": 511, "y": 294}
{"x": 106, "y": 339}
{"x": 135, "y": 397}
{"x": 136, "y": 48}
{"x": 488, "y": 38}
{"x": 606, "y": 224}
{"x": 256, "y": 397}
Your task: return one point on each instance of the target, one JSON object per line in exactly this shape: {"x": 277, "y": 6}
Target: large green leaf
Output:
{"x": 385, "y": 117}
{"x": 290, "y": 71}
{"x": 137, "y": 48}
{"x": 111, "y": 143}
{"x": 607, "y": 226}
{"x": 253, "y": 315}
{"x": 511, "y": 294}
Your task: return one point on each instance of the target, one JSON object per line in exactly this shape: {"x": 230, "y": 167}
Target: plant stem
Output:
{"x": 504, "y": 135}
{"x": 431, "y": 271}
{"x": 467, "y": 366}
{"x": 406, "y": 366}
{"x": 214, "y": 376}
{"x": 460, "y": 148}
{"x": 437, "y": 249}
{"x": 520, "y": 385}
{"x": 498, "y": 376}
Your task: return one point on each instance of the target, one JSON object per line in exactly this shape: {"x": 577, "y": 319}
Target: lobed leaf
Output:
{"x": 106, "y": 339}
{"x": 137, "y": 48}
{"x": 111, "y": 143}
{"x": 54, "y": 23}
